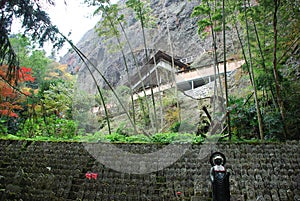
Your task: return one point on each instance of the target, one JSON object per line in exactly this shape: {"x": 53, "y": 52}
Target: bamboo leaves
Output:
{"x": 264, "y": 32}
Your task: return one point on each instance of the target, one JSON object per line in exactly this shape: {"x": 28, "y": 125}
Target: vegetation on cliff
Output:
{"x": 42, "y": 101}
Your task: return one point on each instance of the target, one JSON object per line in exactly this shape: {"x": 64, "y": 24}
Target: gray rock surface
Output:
{"x": 174, "y": 15}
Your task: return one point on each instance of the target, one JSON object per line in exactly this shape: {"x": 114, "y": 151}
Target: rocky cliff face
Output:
{"x": 175, "y": 32}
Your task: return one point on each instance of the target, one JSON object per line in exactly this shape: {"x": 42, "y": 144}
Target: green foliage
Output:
{"x": 47, "y": 97}
{"x": 142, "y": 10}
{"x": 172, "y": 115}
{"x": 109, "y": 97}
{"x": 108, "y": 27}
{"x": 58, "y": 98}
{"x": 169, "y": 101}
{"x": 273, "y": 124}
{"x": 201, "y": 10}
{"x": 163, "y": 137}
{"x": 291, "y": 96}
{"x": 31, "y": 57}
{"x": 255, "y": 24}
{"x": 3, "y": 127}
{"x": 144, "y": 113}
{"x": 198, "y": 139}
{"x": 35, "y": 23}
{"x": 9, "y": 137}
{"x": 185, "y": 137}
{"x": 171, "y": 112}
{"x": 138, "y": 139}
{"x": 175, "y": 127}
{"x": 48, "y": 127}
{"x": 22, "y": 46}
{"x": 81, "y": 111}
{"x": 181, "y": 126}
{"x": 167, "y": 138}
{"x": 264, "y": 80}
{"x": 116, "y": 137}
{"x": 243, "y": 118}
{"x": 122, "y": 129}
{"x": 210, "y": 14}
{"x": 39, "y": 63}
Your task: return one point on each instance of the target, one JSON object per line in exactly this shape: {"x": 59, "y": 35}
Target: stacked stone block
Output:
{"x": 56, "y": 171}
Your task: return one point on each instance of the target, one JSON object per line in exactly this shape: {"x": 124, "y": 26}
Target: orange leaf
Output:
{"x": 8, "y": 113}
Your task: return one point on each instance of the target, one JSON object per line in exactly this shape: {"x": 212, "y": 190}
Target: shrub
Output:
{"x": 115, "y": 137}
{"x": 3, "y": 127}
{"x": 49, "y": 127}
{"x": 184, "y": 137}
{"x": 243, "y": 118}
{"x": 273, "y": 125}
{"x": 183, "y": 127}
{"x": 138, "y": 139}
{"x": 167, "y": 138}
{"x": 175, "y": 127}
{"x": 163, "y": 137}
{"x": 169, "y": 101}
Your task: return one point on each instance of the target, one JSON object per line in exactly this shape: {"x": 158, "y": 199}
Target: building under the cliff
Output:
{"x": 165, "y": 71}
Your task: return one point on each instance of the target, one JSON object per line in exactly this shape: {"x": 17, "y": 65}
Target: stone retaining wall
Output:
{"x": 56, "y": 171}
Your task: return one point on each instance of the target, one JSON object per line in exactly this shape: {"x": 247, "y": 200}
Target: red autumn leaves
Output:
{"x": 10, "y": 95}
{"x": 25, "y": 75}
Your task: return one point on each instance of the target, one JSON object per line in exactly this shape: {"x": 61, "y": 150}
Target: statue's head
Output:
{"x": 217, "y": 158}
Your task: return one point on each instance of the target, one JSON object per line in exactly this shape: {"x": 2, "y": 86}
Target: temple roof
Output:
{"x": 162, "y": 55}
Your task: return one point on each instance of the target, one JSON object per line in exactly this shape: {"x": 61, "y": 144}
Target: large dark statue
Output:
{"x": 219, "y": 177}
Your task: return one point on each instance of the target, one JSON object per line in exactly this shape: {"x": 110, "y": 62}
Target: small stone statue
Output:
{"x": 219, "y": 177}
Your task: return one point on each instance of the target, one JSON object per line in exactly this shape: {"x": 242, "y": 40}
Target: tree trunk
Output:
{"x": 154, "y": 124}
{"x": 220, "y": 106}
{"x": 137, "y": 66}
{"x": 275, "y": 70}
{"x": 258, "y": 112}
{"x": 225, "y": 69}
{"x": 173, "y": 67}
{"x": 261, "y": 53}
{"x": 86, "y": 61}
{"x": 126, "y": 66}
